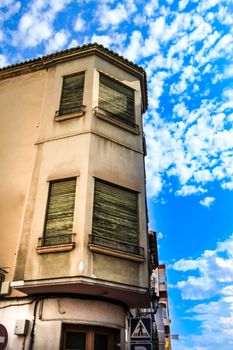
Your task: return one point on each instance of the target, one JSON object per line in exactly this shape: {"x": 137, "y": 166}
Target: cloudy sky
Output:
{"x": 186, "y": 48}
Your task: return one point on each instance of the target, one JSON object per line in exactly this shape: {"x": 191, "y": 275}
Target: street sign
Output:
{"x": 3, "y": 337}
{"x": 143, "y": 346}
{"x": 140, "y": 329}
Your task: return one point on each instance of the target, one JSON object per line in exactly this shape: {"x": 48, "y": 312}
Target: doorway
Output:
{"x": 78, "y": 337}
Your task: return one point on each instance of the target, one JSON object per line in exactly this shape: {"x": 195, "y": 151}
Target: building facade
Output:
{"x": 74, "y": 244}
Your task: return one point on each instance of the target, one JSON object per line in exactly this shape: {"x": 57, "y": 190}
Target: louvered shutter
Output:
{"x": 115, "y": 213}
{"x": 60, "y": 212}
{"x": 117, "y": 100}
{"x": 72, "y": 94}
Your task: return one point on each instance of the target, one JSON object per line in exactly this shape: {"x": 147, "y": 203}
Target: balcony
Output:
{"x": 117, "y": 119}
{"x": 118, "y": 248}
{"x": 69, "y": 113}
{"x": 55, "y": 243}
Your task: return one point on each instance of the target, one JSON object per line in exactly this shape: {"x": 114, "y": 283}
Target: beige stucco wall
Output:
{"x": 39, "y": 149}
{"x": 51, "y": 314}
{"x": 20, "y": 103}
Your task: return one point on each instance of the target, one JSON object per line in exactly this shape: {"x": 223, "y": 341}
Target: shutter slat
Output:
{"x": 60, "y": 211}
{"x": 115, "y": 213}
{"x": 72, "y": 93}
{"x": 116, "y": 99}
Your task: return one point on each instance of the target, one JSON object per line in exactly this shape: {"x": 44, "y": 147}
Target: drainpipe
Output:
{"x": 33, "y": 325}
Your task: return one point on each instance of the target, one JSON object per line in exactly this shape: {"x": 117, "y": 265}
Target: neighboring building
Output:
{"x": 162, "y": 314}
{"x": 159, "y": 297}
{"x": 74, "y": 243}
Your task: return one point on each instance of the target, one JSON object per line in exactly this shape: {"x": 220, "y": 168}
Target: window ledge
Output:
{"x": 60, "y": 118}
{"x": 104, "y": 116}
{"x": 116, "y": 253}
{"x": 55, "y": 248}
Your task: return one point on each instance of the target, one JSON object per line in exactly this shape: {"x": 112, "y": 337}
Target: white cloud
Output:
{"x": 183, "y": 4}
{"x": 202, "y": 29}
{"x": 207, "y": 201}
{"x": 188, "y": 190}
{"x": 36, "y": 25}
{"x": 180, "y": 110}
{"x": 160, "y": 235}
{"x": 223, "y": 48}
{"x": 186, "y": 265}
{"x": 57, "y": 42}
{"x": 33, "y": 30}
{"x": 12, "y": 7}
{"x": 150, "y": 7}
{"x": 4, "y": 3}
{"x": 197, "y": 288}
{"x": 3, "y": 61}
{"x": 205, "y": 5}
{"x": 208, "y": 274}
{"x": 133, "y": 50}
{"x": 227, "y": 185}
{"x": 80, "y": 24}
{"x": 73, "y": 43}
{"x": 203, "y": 176}
{"x": 104, "y": 40}
{"x": 114, "y": 16}
{"x": 188, "y": 75}
{"x": 227, "y": 74}
{"x": 212, "y": 317}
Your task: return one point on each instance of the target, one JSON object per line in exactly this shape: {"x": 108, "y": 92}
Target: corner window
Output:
{"x": 60, "y": 212}
{"x": 115, "y": 218}
{"x": 72, "y": 95}
{"x": 116, "y": 100}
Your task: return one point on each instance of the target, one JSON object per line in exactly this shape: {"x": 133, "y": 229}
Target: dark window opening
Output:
{"x": 72, "y": 95}
{"x": 116, "y": 100}
{"x": 78, "y": 337}
{"x": 115, "y": 218}
{"x": 60, "y": 212}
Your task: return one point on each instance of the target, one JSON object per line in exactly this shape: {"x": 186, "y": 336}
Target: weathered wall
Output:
{"x": 51, "y": 314}
{"x": 40, "y": 149}
{"x": 21, "y": 100}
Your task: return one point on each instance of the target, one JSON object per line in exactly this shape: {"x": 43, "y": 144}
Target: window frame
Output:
{"x": 59, "y": 115}
{"x": 111, "y": 117}
{"x": 90, "y": 330}
{"x": 113, "y": 245}
{"x": 66, "y": 244}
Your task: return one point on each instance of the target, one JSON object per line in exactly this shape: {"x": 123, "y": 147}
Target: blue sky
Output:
{"x": 186, "y": 48}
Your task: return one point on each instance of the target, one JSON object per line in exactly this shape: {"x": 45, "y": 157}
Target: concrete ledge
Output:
{"x": 55, "y": 248}
{"x": 104, "y": 116}
{"x": 116, "y": 253}
{"x": 60, "y": 118}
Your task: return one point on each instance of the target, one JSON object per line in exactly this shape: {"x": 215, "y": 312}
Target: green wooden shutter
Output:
{"x": 72, "y": 94}
{"x": 60, "y": 212}
{"x": 117, "y": 100}
{"x": 115, "y": 213}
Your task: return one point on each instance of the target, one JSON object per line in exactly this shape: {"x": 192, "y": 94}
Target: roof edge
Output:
{"x": 47, "y": 61}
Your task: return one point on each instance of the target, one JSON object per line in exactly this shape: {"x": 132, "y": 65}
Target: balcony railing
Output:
{"x": 100, "y": 112}
{"x": 120, "y": 246}
{"x": 73, "y": 109}
{"x": 56, "y": 239}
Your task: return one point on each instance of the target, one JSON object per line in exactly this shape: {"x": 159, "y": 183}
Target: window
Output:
{"x": 72, "y": 94}
{"x": 115, "y": 218}
{"x": 60, "y": 212}
{"x": 2, "y": 275}
{"x": 90, "y": 338}
{"x": 116, "y": 100}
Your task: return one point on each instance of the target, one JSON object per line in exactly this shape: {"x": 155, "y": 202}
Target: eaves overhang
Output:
{"x": 131, "y": 296}
{"x": 50, "y": 60}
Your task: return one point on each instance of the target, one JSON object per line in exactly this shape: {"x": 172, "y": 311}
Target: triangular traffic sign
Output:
{"x": 140, "y": 331}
